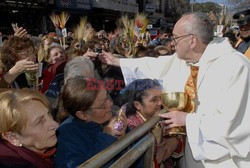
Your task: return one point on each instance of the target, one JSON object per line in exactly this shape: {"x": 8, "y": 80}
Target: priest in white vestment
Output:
{"x": 218, "y": 133}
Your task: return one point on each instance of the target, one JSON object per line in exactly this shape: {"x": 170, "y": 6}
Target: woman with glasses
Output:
{"x": 90, "y": 126}
{"x": 144, "y": 101}
{"x": 18, "y": 63}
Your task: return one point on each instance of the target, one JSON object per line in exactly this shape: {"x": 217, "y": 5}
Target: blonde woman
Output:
{"x": 27, "y": 130}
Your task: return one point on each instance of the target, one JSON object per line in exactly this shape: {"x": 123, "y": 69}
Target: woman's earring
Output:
{"x": 20, "y": 145}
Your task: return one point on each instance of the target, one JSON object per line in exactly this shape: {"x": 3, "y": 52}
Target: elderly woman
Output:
{"x": 82, "y": 134}
{"x": 18, "y": 61}
{"x": 54, "y": 64}
{"x": 143, "y": 101}
{"x": 55, "y": 54}
{"x": 27, "y": 130}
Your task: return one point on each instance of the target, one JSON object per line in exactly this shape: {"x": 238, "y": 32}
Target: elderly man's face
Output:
{"x": 181, "y": 40}
{"x": 245, "y": 31}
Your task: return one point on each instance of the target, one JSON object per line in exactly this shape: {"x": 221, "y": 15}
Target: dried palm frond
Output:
{"x": 141, "y": 22}
{"x": 132, "y": 31}
{"x": 83, "y": 31}
{"x": 227, "y": 19}
{"x": 128, "y": 39}
{"x": 88, "y": 33}
{"x": 131, "y": 28}
{"x": 64, "y": 17}
{"x": 222, "y": 19}
{"x": 127, "y": 26}
{"x": 79, "y": 30}
{"x": 55, "y": 19}
{"x": 41, "y": 55}
{"x": 124, "y": 22}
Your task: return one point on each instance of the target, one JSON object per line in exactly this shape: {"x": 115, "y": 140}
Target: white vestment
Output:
{"x": 218, "y": 134}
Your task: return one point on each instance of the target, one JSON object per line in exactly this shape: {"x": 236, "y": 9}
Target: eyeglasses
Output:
{"x": 103, "y": 105}
{"x": 173, "y": 39}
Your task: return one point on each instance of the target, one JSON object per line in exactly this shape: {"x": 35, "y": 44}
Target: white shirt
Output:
{"x": 218, "y": 134}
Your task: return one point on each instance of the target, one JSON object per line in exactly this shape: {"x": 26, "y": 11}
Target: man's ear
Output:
{"x": 137, "y": 105}
{"x": 82, "y": 115}
{"x": 12, "y": 138}
{"x": 194, "y": 42}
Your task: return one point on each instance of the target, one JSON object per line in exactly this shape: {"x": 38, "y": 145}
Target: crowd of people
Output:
{"x": 61, "y": 96}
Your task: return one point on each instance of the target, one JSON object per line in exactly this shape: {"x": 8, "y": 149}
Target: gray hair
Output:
{"x": 79, "y": 67}
{"x": 200, "y": 25}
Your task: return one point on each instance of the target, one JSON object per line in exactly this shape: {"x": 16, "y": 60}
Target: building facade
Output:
{"x": 164, "y": 13}
{"x": 102, "y": 14}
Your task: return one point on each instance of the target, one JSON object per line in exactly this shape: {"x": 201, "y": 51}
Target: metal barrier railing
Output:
{"x": 145, "y": 144}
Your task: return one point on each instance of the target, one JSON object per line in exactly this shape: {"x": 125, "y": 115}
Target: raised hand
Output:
{"x": 23, "y": 66}
{"x": 109, "y": 128}
{"x": 19, "y": 31}
{"x": 20, "y": 67}
{"x": 108, "y": 58}
{"x": 90, "y": 54}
